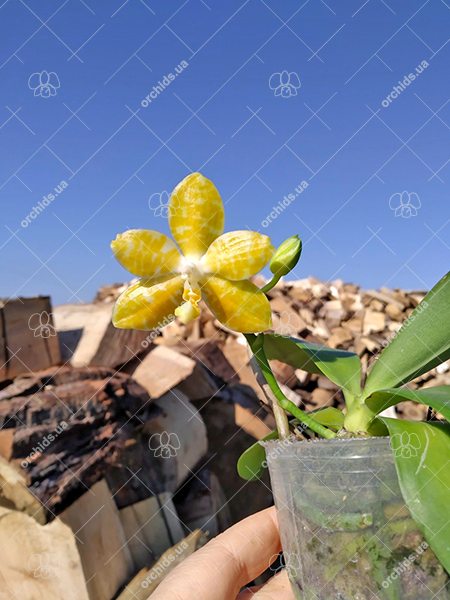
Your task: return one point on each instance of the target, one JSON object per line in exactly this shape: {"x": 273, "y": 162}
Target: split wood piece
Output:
{"x": 339, "y": 337}
{"x": 63, "y": 433}
{"x": 102, "y": 546}
{"x": 249, "y": 414}
{"x": 162, "y": 452}
{"x": 386, "y": 296}
{"x": 177, "y": 438}
{"x": 321, "y": 330}
{"x": 374, "y": 322}
{"x": 28, "y": 340}
{"x": 251, "y": 423}
{"x": 164, "y": 368}
{"x": 39, "y": 562}
{"x": 284, "y": 373}
{"x": 237, "y": 355}
{"x": 208, "y": 353}
{"x": 142, "y": 586}
{"x": 281, "y": 304}
{"x": 333, "y": 312}
{"x": 201, "y": 504}
{"x": 151, "y": 526}
{"x": 87, "y": 336}
{"x": 226, "y": 442}
{"x": 288, "y": 323}
{"x": 321, "y": 397}
{"x": 291, "y": 395}
{"x": 109, "y": 293}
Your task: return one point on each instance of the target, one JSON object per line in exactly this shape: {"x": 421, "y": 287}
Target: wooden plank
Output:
{"x": 147, "y": 580}
{"x": 151, "y": 527}
{"x": 29, "y": 336}
{"x": 105, "y": 557}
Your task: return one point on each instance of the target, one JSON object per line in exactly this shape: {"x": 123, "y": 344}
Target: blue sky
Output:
{"x": 220, "y": 116}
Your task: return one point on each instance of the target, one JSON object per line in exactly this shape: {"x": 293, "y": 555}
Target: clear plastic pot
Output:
{"x": 345, "y": 530}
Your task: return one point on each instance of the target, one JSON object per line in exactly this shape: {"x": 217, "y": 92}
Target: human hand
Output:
{"x": 227, "y": 563}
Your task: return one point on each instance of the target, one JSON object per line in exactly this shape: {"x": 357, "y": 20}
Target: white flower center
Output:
{"x": 191, "y": 271}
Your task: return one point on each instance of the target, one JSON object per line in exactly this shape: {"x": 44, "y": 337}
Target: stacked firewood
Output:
{"x": 115, "y": 445}
{"x": 337, "y": 314}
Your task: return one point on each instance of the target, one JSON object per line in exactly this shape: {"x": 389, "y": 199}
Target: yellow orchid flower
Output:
{"x": 212, "y": 265}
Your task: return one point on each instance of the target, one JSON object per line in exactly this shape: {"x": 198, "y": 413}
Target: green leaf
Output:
{"x": 437, "y": 397}
{"x": 328, "y": 416}
{"x": 422, "y": 343}
{"x": 250, "y": 463}
{"x": 342, "y": 367}
{"x": 422, "y": 460}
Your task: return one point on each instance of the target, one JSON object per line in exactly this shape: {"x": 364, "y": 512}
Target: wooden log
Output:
{"x": 28, "y": 339}
{"x": 161, "y": 453}
{"x": 38, "y": 562}
{"x": 87, "y": 336}
{"x": 184, "y": 422}
{"x": 65, "y": 422}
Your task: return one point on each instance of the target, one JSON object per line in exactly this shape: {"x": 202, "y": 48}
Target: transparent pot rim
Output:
{"x": 382, "y": 443}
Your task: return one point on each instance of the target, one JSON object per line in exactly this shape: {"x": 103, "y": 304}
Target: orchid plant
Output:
{"x": 206, "y": 263}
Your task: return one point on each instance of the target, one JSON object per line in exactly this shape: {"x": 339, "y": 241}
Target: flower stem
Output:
{"x": 281, "y": 403}
{"x": 278, "y": 413}
{"x": 272, "y": 283}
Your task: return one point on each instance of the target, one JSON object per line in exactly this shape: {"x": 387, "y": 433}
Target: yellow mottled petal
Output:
{"x": 238, "y": 254}
{"x": 196, "y": 216}
{"x": 148, "y": 304}
{"x": 238, "y": 304}
{"x": 146, "y": 253}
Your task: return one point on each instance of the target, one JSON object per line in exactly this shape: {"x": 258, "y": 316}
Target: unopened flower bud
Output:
{"x": 286, "y": 256}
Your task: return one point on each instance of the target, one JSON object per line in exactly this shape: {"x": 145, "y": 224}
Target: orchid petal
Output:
{"x": 238, "y": 255}
{"x": 146, "y": 253}
{"x": 196, "y": 215}
{"x": 239, "y": 305}
{"x": 148, "y": 304}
